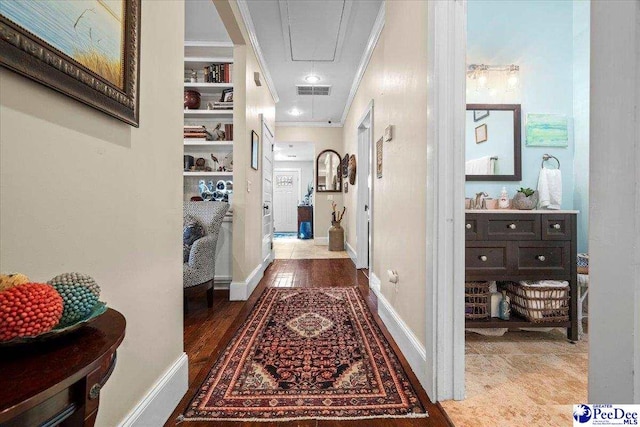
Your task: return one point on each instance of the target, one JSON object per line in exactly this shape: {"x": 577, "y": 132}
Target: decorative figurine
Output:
{"x": 218, "y": 134}
{"x": 194, "y": 76}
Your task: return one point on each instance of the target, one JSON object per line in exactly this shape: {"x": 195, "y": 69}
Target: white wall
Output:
{"x": 306, "y": 174}
{"x": 614, "y": 239}
{"x": 81, "y": 191}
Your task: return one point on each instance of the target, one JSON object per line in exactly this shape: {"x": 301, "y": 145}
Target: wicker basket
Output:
{"x": 477, "y": 301}
{"x": 539, "y": 304}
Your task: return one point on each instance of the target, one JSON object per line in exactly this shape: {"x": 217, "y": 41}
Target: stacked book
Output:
{"x": 228, "y": 131}
{"x": 223, "y": 105}
{"x": 196, "y": 133}
{"x": 218, "y": 73}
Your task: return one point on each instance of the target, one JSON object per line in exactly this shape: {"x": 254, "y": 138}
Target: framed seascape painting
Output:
{"x": 86, "y": 49}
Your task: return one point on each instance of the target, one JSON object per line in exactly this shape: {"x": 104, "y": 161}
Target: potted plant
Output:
{"x": 525, "y": 199}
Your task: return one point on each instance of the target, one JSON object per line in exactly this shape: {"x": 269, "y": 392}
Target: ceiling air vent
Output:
{"x": 313, "y": 90}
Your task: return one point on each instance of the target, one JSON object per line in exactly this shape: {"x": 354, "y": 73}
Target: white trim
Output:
{"x": 364, "y": 193}
{"x": 408, "y": 343}
{"x": 221, "y": 282}
{"x": 253, "y": 38}
{"x": 444, "y": 341}
{"x": 202, "y": 43}
{"x": 351, "y": 252}
{"x": 156, "y": 407}
{"x": 309, "y": 124}
{"x": 241, "y": 291}
{"x": 320, "y": 241}
{"x": 299, "y": 170}
{"x": 378, "y": 25}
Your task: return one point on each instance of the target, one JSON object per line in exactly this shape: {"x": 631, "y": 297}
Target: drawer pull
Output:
{"x": 468, "y": 226}
{"x": 512, "y": 226}
{"x": 483, "y": 258}
{"x": 556, "y": 226}
{"x": 541, "y": 258}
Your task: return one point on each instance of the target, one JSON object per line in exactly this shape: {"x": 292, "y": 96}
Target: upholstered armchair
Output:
{"x": 200, "y": 267}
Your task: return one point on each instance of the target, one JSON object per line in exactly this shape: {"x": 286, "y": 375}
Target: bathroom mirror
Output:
{"x": 492, "y": 142}
{"x": 328, "y": 173}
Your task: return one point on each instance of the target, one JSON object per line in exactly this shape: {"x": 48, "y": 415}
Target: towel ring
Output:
{"x": 546, "y": 157}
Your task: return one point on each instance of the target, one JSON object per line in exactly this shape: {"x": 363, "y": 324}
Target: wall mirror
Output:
{"x": 328, "y": 173}
{"x": 492, "y": 142}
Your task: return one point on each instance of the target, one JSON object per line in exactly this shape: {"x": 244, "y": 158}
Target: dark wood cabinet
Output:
{"x": 305, "y": 214}
{"x": 523, "y": 246}
{"x": 58, "y": 382}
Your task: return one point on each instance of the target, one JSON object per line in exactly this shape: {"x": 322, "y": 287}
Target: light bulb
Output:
{"x": 312, "y": 78}
{"x": 482, "y": 80}
{"x": 512, "y": 81}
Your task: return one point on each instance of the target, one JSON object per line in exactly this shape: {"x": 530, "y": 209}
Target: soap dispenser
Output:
{"x": 503, "y": 202}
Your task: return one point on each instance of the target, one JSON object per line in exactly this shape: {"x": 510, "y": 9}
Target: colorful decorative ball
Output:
{"x": 76, "y": 279}
{"x": 13, "y": 279}
{"x": 78, "y": 302}
{"x": 29, "y": 309}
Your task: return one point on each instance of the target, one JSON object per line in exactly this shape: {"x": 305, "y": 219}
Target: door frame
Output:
{"x": 270, "y": 257}
{"x": 299, "y": 171}
{"x": 446, "y": 105}
{"x": 364, "y": 220}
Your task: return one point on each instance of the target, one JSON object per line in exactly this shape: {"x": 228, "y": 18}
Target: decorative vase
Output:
{"x": 191, "y": 100}
{"x": 520, "y": 201}
{"x": 505, "y": 307}
{"x": 336, "y": 237}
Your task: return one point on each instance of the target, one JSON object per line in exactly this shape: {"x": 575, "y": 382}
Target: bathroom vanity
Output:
{"x": 519, "y": 245}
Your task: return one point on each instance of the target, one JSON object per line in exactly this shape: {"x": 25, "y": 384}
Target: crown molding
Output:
{"x": 205, "y": 43}
{"x": 253, "y": 38}
{"x": 308, "y": 124}
{"x": 378, "y": 25}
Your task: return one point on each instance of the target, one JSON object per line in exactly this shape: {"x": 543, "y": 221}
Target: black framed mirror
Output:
{"x": 493, "y": 147}
{"x": 328, "y": 172}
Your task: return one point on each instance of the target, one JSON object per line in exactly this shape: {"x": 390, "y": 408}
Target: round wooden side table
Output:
{"x": 58, "y": 382}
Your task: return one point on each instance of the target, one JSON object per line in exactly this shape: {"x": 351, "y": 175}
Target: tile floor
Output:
{"x": 521, "y": 378}
{"x": 303, "y": 249}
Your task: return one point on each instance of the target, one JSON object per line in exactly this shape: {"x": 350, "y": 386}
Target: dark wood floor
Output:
{"x": 207, "y": 332}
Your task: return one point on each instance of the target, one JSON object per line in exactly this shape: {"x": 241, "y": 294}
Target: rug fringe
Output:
{"x": 271, "y": 420}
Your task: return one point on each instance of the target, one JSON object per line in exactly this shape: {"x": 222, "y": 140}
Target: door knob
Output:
{"x": 468, "y": 226}
{"x": 541, "y": 258}
{"x": 512, "y": 226}
{"x": 265, "y": 206}
{"x": 556, "y": 226}
{"x": 483, "y": 258}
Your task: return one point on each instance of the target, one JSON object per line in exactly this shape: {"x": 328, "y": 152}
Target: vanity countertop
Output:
{"x": 520, "y": 211}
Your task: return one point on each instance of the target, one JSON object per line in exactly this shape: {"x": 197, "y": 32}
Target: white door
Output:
{"x": 267, "y": 192}
{"x": 286, "y": 195}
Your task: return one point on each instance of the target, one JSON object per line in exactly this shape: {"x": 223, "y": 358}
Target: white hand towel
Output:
{"x": 550, "y": 188}
{"x": 481, "y": 166}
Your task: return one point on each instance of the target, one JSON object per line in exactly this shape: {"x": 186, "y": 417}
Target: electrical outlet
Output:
{"x": 248, "y": 186}
{"x": 330, "y": 197}
{"x": 393, "y": 276}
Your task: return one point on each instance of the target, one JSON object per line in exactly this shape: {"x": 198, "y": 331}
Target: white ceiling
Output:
{"x": 202, "y": 22}
{"x": 325, "y": 38}
{"x": 303, "y": 151}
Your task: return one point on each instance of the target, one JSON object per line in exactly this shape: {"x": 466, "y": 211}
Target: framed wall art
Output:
{"x": 379, "y": 158}
{"x": 547, "y": 130}
{"x": 481, "y": 134}
{"x": 88, "y": 50}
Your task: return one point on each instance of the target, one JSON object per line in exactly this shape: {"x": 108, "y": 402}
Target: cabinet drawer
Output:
{"x": 556, "y": 227}
{"x": 471, "y": 229}
{"x": 517, "y": 227}
{"x": 543, "y": 259}
{"x": 487, "y": 259}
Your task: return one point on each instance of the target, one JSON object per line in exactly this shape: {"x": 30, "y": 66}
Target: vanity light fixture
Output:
{"x": 312, "y": 78}
{"x": 512, "y": 76}
{"x": 480, "y": 73}
{"x": 295, "y": 112}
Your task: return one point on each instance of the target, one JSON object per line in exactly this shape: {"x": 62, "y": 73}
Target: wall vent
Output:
{"x": 322, "y": 90}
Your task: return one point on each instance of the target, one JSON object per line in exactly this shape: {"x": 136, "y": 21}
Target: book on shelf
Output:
{"x": 218, "y": 73}
{"x": 223, "y": 105}
{"x": 228, "y": 131}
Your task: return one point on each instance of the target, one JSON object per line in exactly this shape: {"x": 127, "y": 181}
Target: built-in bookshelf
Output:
{"x": 208, "y": 70}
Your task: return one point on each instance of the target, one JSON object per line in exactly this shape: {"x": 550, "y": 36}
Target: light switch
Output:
{"x": 330, "y": 197}
{"x": 393, "y": 276}
{"x": 248, "y": 186}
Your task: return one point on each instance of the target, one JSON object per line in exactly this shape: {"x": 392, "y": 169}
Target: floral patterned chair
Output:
{"x": 199, "y": 264}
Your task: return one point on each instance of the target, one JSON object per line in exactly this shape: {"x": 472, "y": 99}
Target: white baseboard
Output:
{"x": 156, "y": 407}
{"x": 241, "y": 291}
{"x": 222, "y": 282}
{"x": 408, "y": 343}
{"x": 321, "y": 241}
{"x": 351, "y": 252}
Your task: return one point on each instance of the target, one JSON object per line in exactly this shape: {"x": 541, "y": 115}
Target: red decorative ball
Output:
{"x": 29, "y": 310}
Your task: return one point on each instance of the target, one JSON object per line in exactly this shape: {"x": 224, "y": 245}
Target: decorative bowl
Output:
{"x": 99, "y": 309}
{"x": 522, "y": 202}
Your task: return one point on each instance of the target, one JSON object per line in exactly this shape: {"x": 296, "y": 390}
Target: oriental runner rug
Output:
{"x": 306, "y": 353}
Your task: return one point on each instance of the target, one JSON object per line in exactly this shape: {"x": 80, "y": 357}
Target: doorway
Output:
{"x": 267, "y": 193}
{"x": 364, "y": 217}
{"x": 286, "y": 197}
